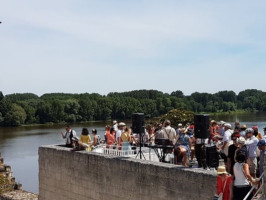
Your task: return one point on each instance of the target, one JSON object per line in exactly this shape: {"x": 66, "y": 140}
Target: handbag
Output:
{"x": 220, "y": 196}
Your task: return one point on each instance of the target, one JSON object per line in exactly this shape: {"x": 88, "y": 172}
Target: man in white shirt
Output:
{"x": 251, "y": 143}
{"x": 226, "y": 142}
{"x": 68, "y": 135}
{"x": 121, "y": 128}
{"x": 169, "y": 132}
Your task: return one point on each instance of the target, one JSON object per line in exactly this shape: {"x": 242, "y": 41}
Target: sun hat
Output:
{"x": 241, "y": 140}
{"x": 221, "y": 170}
{"x": 227, "y": 125}
{"x": 261, "y": 143}
{"x": 121, "y": 124}
{"x": 244, "y": 126}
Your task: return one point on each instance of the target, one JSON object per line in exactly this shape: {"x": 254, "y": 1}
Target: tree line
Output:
{"x": 27, "y": 108}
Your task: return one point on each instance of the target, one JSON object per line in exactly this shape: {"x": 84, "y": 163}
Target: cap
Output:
{"x": 264, "y": 128}
{"x": 261, "y": 143}
{"x": 249, "y": 130}
{"x": 255, "y": 128}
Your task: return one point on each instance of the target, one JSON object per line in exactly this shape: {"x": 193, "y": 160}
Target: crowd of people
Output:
{"x": 240, "y": 147}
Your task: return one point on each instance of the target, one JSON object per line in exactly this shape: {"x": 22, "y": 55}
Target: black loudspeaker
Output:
{"x": 138, "y": 123}
{"x": 212, "y": 157}
{"x": 201, "y": 126}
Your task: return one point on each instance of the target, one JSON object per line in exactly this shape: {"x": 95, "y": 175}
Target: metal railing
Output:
{"x": 259, "y": 194}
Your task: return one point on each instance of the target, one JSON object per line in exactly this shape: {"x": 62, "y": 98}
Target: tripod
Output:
{"x": 140, "y": 153}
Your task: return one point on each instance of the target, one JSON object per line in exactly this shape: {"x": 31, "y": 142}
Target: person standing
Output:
{"x": 242, "y": 178}
{"x": 242, "y": 130}
{"x": 125, "y": 139}
{"x": 264, "y": 131}
{"x": 226, "y": 142}
{"x": 68, "y": 135}
{"x": 169, "y": 132}
{"x": 262, "y": 146}
{"x": 96, "y": 138}
{"x": 121, "y": 128}
{"x": 251, "y": 143}
{"x": 178, "y": 130}
{"x": 111, "y": 137}
{"x": 224, "y": 183}
{"x": 231, "y": 152}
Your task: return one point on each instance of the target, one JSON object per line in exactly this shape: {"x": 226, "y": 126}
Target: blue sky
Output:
{"x": 115, "y": 46}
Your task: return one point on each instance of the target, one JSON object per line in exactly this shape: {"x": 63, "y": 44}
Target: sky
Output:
{"x": 85, "y": 46}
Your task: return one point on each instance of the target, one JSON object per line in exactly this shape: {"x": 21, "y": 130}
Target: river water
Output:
{"x": 19, "y": 145}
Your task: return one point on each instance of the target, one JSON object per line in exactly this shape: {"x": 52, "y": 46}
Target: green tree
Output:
{"x": 177, "y": 116}
{"x": 16, "y": 116}
{"x": 1, "y": 96}
{"x": 178, "y": 94}
{"x": 228, "y": 96}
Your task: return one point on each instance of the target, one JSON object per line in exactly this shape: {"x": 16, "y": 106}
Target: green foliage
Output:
{"x": 21, "y": 97}
{"x": 1, "y": 96}
{"x": 177, "y": 116}
{"x": 17, "y": 109}
{"x": 16, "y": 116}
{"x": 178, "y": 94}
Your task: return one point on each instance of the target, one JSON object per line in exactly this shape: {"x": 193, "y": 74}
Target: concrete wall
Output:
{"x": 66, "y": 175}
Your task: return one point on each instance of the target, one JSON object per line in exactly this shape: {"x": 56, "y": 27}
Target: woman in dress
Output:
{"x": 125, "y": 139}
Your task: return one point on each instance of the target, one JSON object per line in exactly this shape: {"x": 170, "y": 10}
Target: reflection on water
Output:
{"x": 19, "y": 146}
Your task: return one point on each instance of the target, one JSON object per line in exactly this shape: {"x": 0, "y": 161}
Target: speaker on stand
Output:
{"x": 138, "y": 126}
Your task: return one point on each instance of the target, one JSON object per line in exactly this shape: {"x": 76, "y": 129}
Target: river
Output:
{"x": 19, "y": 145}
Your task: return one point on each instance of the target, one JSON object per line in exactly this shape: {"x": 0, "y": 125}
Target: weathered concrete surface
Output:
{"x": 84, "y": 175}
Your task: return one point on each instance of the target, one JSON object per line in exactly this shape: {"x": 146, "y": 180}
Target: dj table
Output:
{"x": 161, "y": 150}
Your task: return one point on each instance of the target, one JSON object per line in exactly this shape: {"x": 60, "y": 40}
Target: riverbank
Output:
{"x": 18, "y": 195}
{"x": 9, "y": 189}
